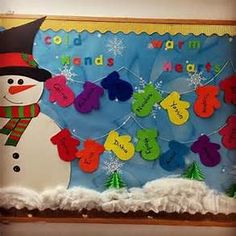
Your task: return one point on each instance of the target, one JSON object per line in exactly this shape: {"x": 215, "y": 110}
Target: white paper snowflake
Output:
{"x": 195, "y": 79}
{"x": 155, "y": 110}
{"x": 142, "y": 84}
{"x": 116, "y": 46}
{"x": 112, "y": 164}
{"x": 158, "y": 85}
{"x": 67, "y": 72}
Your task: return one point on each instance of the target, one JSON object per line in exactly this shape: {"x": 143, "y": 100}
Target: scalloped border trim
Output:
{"x": 116, "y": 25}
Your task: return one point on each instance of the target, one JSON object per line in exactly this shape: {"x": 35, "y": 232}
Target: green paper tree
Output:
{"x": 114, "y": 181}
{"x": 231, "y": 191}
{"x": 193, "y": 172}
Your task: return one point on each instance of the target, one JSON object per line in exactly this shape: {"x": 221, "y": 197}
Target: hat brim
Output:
{"x": 34, "y": 73}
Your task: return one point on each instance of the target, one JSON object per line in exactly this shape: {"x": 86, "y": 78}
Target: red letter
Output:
{"x": 167, "y": 66}
{"x": 156, "y": 43}
{"x": 208, "y": 67}
{"x": 110, "y": 61}
{"x": 76, "y": 61}
{"x": 180, "y": 44}
{"x": 179, "y": 68}
{"x": 47, "y": 39}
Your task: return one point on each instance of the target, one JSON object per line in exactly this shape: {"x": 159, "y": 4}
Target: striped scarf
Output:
{"x": 20, "y": 117}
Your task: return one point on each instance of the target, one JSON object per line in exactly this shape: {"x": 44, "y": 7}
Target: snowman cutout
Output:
{"x": 28, "y": 158}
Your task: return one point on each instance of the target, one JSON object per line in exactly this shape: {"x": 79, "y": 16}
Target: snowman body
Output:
{"x": 34, "y": 162}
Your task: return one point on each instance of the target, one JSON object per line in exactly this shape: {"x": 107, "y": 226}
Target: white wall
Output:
{"x": 194, "y": 9}
{"x": 52, "y": 229}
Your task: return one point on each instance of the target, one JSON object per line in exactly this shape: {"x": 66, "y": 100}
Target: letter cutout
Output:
{"x": 59, "y": 92}
{"x": 66, "y": 145}
{"x": 120, "y": 145}
{"x": 228, "y": 133}
{"x": 176, "y": 109}
{"x": 89, "y": 98}
{"x": 208, "y": 152}
{"x": 228, "y": 85}
{"x": 173, "y": 159}
{"x": 207, "y": 102}
{"x": 143, "y": 102}
{"x": 147, "y": 144}
{"x": 90, "y": 155}
{"x": 117, "y": 88}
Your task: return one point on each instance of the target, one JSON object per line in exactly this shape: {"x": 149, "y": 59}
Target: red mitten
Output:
{"x": 66, "y": 145}
{"x": 207, "y": 101}
{"x": 228, "y": 133}
{"x": 89, "y": 156}
{"x": 229, "y": 87}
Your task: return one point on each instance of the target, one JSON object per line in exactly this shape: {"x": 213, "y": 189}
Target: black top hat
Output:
{"x": 16, "y": 45}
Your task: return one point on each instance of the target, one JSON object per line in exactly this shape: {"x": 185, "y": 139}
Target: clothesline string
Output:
{"x": 131, "y": 117}
{"x": 229, "y": 62}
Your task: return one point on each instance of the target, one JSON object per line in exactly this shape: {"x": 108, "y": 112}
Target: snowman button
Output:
{"x": 16, "y": 168}
{"x": 15, "y": 155}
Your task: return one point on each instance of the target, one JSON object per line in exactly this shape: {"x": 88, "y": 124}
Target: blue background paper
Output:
{"x": 147, "y": 63}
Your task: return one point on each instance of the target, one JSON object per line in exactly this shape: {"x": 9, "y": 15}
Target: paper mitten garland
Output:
{"x": 117, "y": 88}
{"x": 120, "y": 144}
{"x": 144, "y": 101}
{"x": 90, "y": 155}
{"x": 147, "y": 144}
{"x": 89, "y": 98}
{"x": 207, "y": 101}
{"x": 176, "y": 109}
{"x": 208, "y": 152}
{"x": 173, "y": 159}
{"x": 228, "y": 133}
{"x": 66, "y": 145}
{"x": 59, "y": 92}
{"x": 228, "y": 85}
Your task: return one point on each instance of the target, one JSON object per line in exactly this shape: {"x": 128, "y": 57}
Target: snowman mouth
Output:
{"x": 12, "y": 101}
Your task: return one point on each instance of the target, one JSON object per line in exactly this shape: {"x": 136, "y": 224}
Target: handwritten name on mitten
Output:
{"x": 147, "y": 144}
{"x": 117, "y": 88}
{"x": 173, "y": 158}
{"x": 89, "y": 156}
{"x": 120, "y": 144}
{"x": 176, "y": 109}
{"x": 89, "y": 98}
{"x": 207, "y": 101}
{"x": 208, "y": 152}
{"x": 144, "y": 101}
{"x": 66, "y": 145}
{"x": 228, "y": 133}
{"x": 59, "y": 91}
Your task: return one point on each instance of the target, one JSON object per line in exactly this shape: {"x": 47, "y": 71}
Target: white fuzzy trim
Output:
{"x": 167, "y": 194}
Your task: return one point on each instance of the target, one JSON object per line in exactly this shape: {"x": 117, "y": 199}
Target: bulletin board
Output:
{"x": 167, "y": 84}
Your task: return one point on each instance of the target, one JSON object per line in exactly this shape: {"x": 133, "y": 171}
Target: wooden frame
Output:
{"x": 127, "y": 25}
{"x": 94, "y": 216}
{"x": 13, "y": 215}
{"x": 124, "y": 19}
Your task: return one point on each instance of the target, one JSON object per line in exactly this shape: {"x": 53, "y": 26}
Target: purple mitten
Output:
{"x": 89, "y": 98}
{"x": 208, "y": 152}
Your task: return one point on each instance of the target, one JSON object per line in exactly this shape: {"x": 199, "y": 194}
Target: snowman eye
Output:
{"x": 20, "y": 81}
{"x": 10, "y": 81}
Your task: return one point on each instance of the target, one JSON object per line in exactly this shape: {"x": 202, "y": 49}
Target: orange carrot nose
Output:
{"x": 19, "y": 88}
